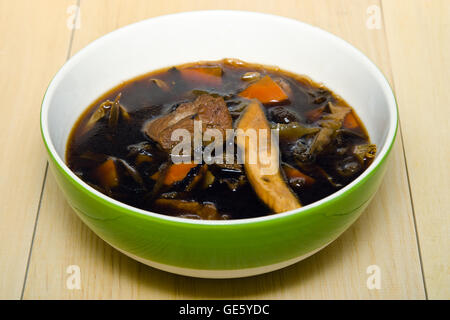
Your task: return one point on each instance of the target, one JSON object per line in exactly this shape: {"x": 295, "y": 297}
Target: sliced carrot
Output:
{"x": 176, "y": 172}
{"x": 107, "y": 175}
{"x": 315, "y": 114}
{"x": 155, "y": 176}
{"x": 265, "y": 90}
{"x": 294, "y": 174}
{"x": 203, "y": 75}
{"x": 350, "y": 121}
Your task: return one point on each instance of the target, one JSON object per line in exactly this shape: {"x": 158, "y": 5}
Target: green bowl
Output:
{"x": 218, "y": 249}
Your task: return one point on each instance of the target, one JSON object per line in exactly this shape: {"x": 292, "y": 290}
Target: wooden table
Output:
{"x": 405, "y": 230}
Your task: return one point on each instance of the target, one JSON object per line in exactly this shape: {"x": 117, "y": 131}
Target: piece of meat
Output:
{"x": 213, "y": 113}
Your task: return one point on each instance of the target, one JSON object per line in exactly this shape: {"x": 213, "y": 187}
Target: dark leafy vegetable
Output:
{"x": 365, "y": 152}
{"x": 294, "y": 130}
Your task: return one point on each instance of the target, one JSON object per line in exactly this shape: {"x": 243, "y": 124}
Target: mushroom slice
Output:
{"x": 187, "y": 209}
{"x": 114, "y": 113}
{"x": 96, "y": 116}
{"x": 271, "y": 188}
{"x": 118, "y": 108}
{"x": 365, "y": 152}
{"x": 284, "y": 85}
{"x": 115, "y": 110}
{"x": 131, "y": 171}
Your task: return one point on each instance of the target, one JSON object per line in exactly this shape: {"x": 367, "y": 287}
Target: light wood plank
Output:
{"x": 419, "y": 45}
{"x": 33, "y": 44}
{"x": 383, "y": 236}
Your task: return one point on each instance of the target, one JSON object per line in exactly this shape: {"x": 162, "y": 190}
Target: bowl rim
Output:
{"x": 128, "y": 209}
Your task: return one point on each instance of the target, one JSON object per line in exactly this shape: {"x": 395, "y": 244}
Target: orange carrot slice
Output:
{"x": 350, "y": 121}
{"x": 203, "y": 75}
{"x": 107, "y": 175}
{"x": 315, "y": 114}
{"x": 265, "y": 90}
{"x": 175, "y": 173}
{"x": 293, "y": 173}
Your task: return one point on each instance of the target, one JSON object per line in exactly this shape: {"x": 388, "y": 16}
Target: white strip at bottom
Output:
{"x": 220, "y": 274}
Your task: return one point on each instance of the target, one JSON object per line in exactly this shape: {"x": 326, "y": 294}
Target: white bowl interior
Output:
{"x": 212, "y": 35}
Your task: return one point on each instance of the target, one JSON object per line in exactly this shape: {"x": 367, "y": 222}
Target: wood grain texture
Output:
{"x": 419, "y": 46}
{"x": 33, "y": 44}
{"x": 384, "y": 235}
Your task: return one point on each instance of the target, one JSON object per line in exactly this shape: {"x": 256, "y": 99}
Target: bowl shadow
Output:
{"x": 288, "y": 283}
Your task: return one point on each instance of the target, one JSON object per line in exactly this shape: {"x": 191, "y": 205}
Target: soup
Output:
{"x": 178, "y": 141}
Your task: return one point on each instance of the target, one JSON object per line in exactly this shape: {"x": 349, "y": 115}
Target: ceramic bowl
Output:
{"x": 218, "y": 249}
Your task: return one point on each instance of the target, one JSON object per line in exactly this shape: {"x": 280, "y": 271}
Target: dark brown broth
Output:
{"x": 144, "y": 100}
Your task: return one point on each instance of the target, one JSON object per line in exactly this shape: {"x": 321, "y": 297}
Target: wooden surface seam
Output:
{"x": 69, "y": 51}
{"x": 27, "y": 67}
